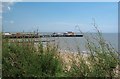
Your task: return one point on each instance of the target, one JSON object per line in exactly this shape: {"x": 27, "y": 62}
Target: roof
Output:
{"x": 7, "y": 34}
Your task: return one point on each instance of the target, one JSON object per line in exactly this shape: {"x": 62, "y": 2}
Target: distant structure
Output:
{"x": 37, "y": 35}
{"x": 7, "y": 34}
{"x": 18, "y": 34}
{"x": 37, "y": 32}
{"x": 68, "y": 33}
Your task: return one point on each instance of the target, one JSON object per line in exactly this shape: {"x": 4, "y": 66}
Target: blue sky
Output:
{"x": 60, "y": 16}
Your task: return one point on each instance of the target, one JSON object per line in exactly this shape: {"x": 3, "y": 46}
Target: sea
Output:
{"x": 75, "y": 44}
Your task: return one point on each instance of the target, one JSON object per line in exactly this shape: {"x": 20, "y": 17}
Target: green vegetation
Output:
{"x": 101, "y": 60}
{"x": 0, "y": 54}
{"x": 20, "y": 60}
{"x": 25, "y": 60}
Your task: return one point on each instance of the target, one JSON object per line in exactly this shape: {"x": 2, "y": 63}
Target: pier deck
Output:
{"x": 38, "y": 36}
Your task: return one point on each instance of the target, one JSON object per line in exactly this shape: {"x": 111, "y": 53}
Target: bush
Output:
{"x": 20, "y": 60}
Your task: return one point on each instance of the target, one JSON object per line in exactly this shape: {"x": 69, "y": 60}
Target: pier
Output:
{"x": 39, "y": 36}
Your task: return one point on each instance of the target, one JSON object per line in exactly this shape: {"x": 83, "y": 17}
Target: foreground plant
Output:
{"x": 101, "y": 60}
{"x": 20, "y": 60}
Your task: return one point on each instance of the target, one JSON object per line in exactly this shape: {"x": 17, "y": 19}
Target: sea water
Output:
{"x": 75, "y": 44}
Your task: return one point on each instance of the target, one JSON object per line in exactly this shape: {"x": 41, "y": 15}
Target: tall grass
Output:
{"x": 0, "y": 54}
{"x": 102, "y": 59}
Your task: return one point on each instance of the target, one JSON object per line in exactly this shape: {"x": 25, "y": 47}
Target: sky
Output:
{"x": 59, "y": 16}
{"x": 59, "y": 0}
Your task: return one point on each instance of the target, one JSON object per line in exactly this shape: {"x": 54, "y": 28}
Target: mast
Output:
{"x": 37, "y": 32}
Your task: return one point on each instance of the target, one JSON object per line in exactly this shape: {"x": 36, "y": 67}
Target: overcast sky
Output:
{"x": 59, "y": 16}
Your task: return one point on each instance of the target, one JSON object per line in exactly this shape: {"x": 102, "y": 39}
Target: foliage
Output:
{"x": 20, "y": 60}
{"x": 101, "y": 61}
{"x": 25, "y": 60}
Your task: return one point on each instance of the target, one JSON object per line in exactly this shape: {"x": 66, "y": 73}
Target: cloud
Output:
{"x": 11, "y": 22}
{"x": 8, "y": 22}
{"x": 6, "y": 5}
{"x": 0, "y": 16}
{"x": 9, "y": 8}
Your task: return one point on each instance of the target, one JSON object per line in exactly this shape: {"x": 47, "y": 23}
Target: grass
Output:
{"x": 101, "y": 61}
{"x": 0, "y": 54}
{"x": 24, "y": 60}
